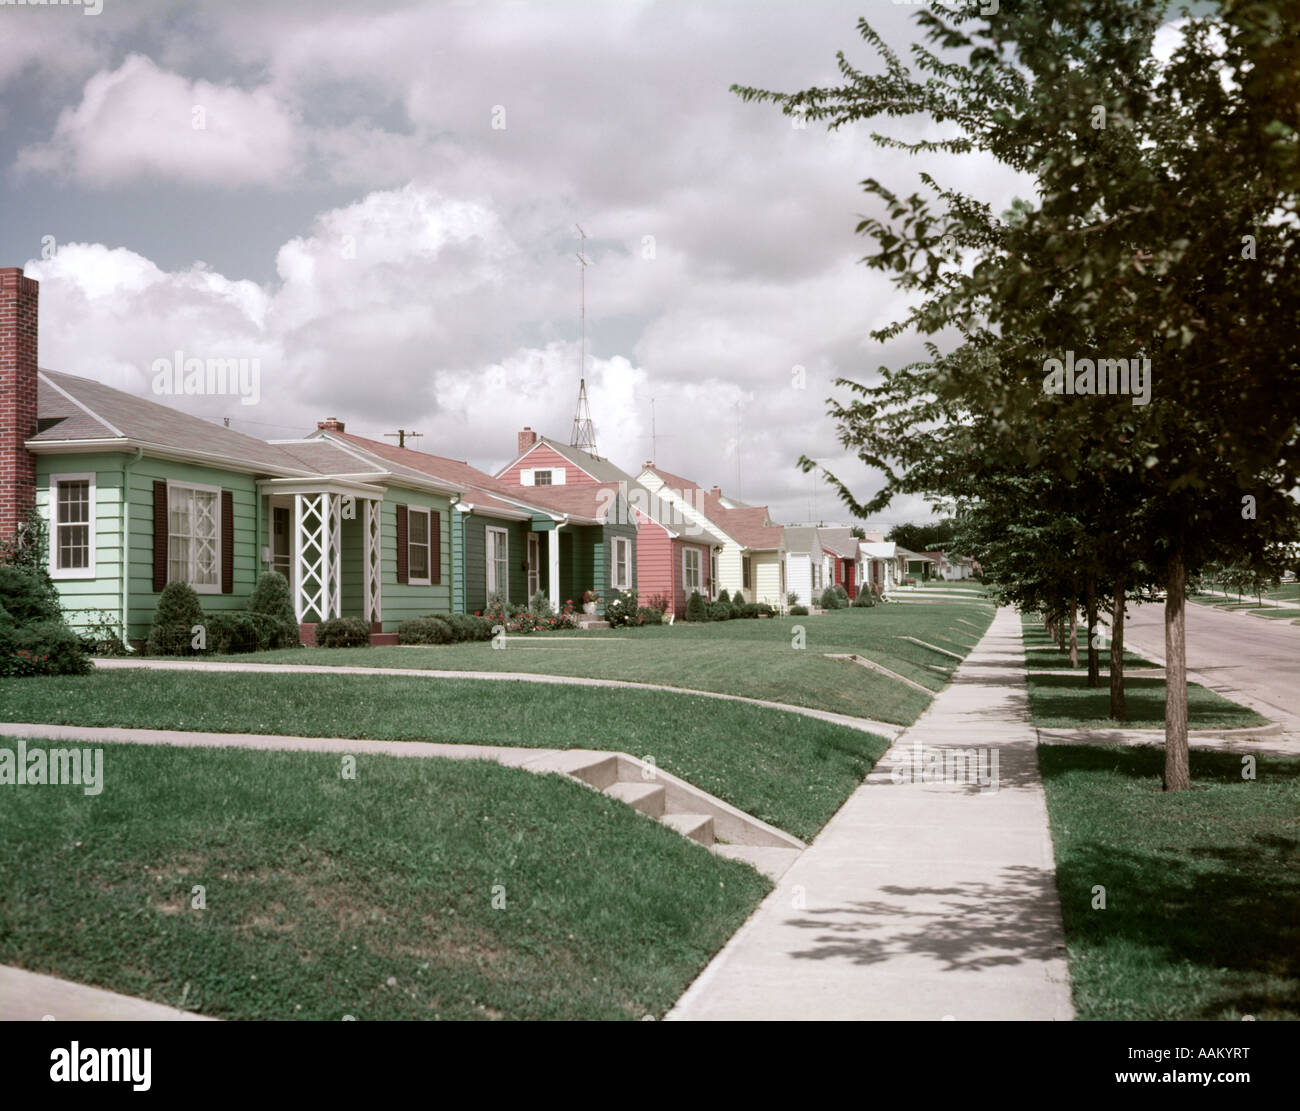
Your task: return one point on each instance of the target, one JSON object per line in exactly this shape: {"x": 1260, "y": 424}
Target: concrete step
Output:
{"x": 698, "y": 827}
{"x": 592, "y": 623}
{"x": 648, "y": 798}
{"x": 771, "y": 860}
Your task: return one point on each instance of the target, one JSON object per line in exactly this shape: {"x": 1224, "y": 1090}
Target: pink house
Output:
{"x": 673, "y": 553}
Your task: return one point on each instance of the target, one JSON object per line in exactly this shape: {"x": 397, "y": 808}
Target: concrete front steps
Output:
{"x": 684, "y": 808}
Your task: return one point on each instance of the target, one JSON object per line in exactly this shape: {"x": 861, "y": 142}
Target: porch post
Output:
{"x": 372, "y": 567}
{"x": 553, "y": 558}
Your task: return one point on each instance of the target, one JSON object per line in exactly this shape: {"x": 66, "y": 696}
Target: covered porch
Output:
{"x": 325, "y": 537}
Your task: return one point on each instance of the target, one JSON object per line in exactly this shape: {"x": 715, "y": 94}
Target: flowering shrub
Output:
{"x": 621, "y": 609}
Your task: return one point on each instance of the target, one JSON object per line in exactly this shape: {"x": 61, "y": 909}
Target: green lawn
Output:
{"x": 1202, "y": 887}
{"x": 751, "y": 658}
{"x": 1067, "y": 702}
{"x": 787, "y": 769}
{"x": 370, "y": 897}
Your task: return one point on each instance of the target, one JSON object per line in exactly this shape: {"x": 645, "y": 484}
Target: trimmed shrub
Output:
{"x": 425, "y": 630}
{"x": 865, "y": 599}
{"x": 747, "y": 610}
{"x": 830, "y": 600}
{"x": 723, "y": 596}
{"x": 798, "y": 611}
{"x": 40, "y": 648}
{"x": 841, "y": 594}
{"x": 650, "y": 615}
{"x": 26, "y": 596}
{"x": 621, "y": 609}
{"x": 466, "y": 626}
{"x": 343, "y": 632}
{"x": 178, "y": 612}
{"x": 720, "y": 611}
{"x": 764, "y": 610}
{"x": 696, "y": 608}
{"x": 271, "y": 595}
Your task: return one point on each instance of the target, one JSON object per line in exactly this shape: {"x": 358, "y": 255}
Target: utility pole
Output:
{"x": 401, "y": 436}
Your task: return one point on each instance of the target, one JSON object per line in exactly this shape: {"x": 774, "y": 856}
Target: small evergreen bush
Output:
{"x": 720, "y": 611}
{"x": 178, "y": 612}
{"x": 426, "y": 630}
{"x": 696, "y": 608}
{"x": 343, "y": 632}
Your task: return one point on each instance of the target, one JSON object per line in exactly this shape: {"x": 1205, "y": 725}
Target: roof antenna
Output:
{"x": 584, "y": 435}
{"x": 401, "y": 436}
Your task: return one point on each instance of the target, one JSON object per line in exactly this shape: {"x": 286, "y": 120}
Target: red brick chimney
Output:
{"x": 526, "y": 439}
{"x": 716, "y": 491}
{"x": 18, "y": 320}
{"x": 330, "y": 424}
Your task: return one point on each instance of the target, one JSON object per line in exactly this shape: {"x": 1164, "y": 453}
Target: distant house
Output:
{"x": 751, "y": 559}
{"x": 631, "y": 547}
{"x": 805, "y": 563}
{"x": 882, "y": 564}
{"x": 842, "y": 558}
{"x": 918, "y": 565}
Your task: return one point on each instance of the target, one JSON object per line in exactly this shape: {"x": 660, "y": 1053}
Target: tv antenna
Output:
{"x": 402, "y": 435}
{"x": 584, "y": 435}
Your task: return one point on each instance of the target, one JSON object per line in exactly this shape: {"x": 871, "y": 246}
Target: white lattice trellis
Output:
{"x": 372, "y": 560}
{"x": 318, "y": 580}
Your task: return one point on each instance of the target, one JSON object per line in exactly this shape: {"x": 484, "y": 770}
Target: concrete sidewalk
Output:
{"x": 31, "y": 996}
{"x": 919, "y": 900}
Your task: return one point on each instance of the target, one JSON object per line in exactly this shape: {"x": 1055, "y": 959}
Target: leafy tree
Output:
{"x": 1165, "y": 231}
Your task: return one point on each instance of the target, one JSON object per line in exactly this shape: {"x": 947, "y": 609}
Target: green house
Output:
{"x": 137, "y": 494}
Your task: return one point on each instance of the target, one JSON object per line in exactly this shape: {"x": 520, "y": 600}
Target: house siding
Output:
{"x": 103, "y": 593}
{"x": 403, "y": 601}
{"x": 544, "y": 458}
{"x": 476, "y": 527}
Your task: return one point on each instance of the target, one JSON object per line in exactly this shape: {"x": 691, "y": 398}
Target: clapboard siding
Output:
{"x": 544, "y": 458}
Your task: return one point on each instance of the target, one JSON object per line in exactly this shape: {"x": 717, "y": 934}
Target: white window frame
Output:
{"x": 413, "y": 511}
{"x": 687, "y": 588}
{"x": 199, "y": 588}
{"x": 57, "y": 572}
{"x": 621, "y": 572}
{"x": 548, "y": 472}
{"x": 490, "y": 562}
{"x": 713, "y": 572}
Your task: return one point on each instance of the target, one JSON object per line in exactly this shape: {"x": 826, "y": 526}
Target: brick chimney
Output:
{"x": 330, "y": 424}
{"x": 18, "y": 320}
{"x": 716, "y": 491}
{"x": 526, "y": 439}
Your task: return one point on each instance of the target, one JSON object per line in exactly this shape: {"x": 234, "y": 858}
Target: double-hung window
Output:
{"x": 417, "y": 545}
{"x": 194, "y": 536}
{"x": 72, "y": 526}
{"x": 622, "y": 563}
{"x": 498, "y": 562}
{"x": 690, "y": 570}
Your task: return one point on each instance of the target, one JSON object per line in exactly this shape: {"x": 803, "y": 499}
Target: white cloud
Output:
{"x": 141, "y": 122}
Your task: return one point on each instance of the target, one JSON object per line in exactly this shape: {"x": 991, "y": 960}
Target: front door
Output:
{"x": 848, "y": 578}
{"x": 534, "y": 564}
{"x": 281, "y": 540}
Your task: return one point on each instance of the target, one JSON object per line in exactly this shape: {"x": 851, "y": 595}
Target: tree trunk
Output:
{"x": 1094, "y": 667}
{"x": 1177, "y": 761}
{"x": 1117, "y": 709}
{"x": 1074, "y": 634}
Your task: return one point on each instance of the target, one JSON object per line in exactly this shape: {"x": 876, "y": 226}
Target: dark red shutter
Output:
{"x": 159, "y": 535}
{"x": 403, "y": 553}
{"x": 435, "y": 547}
{"x": 227, "y": 542}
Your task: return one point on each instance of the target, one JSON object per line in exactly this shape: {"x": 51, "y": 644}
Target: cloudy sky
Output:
{"x": 377, "y": 201}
